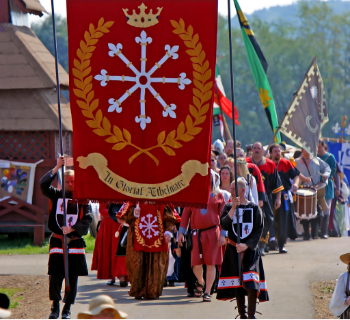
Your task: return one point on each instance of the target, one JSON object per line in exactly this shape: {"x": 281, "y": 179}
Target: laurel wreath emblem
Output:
{"x": 101, "y": 126}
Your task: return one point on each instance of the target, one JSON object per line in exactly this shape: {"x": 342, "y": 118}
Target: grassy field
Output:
{"x": 24, "y": 245}
{"x": 10, "y": 292}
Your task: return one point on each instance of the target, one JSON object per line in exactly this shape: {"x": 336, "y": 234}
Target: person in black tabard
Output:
{"x": 78, "y": 223}
{"x": 253, "y": 282}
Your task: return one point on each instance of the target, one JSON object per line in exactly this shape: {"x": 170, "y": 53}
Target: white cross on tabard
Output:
{"x": 143, "y": 80}
{"x": 149, "y": 226}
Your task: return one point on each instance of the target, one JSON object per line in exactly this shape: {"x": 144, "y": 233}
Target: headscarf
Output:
{"x": 215, "y": 181}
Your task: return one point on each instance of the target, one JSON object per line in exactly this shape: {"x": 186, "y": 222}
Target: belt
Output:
{"x": 59, "y": 236}
{"x": 199, "y": 239}
{"x": 232, "y": 243}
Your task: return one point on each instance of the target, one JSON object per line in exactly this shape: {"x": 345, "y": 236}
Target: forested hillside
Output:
{"x": 289, "y": 13}
{"x": 289, "y": 37}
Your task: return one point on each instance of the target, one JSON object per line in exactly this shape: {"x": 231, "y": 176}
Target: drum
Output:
{"x": 321, "y": 192}
{"x": 306, "y": 203}
{"x": 321, "y": 189}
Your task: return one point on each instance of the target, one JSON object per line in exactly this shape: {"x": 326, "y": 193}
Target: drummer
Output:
{"x": 313, "y": 171}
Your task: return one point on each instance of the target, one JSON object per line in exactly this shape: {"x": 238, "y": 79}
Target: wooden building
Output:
{"x": 28, "y": 108}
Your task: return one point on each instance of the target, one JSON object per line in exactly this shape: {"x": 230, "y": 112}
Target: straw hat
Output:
{"x": 4, "y": 314}
{"x": 345, "y": 258}
{"x": 100, "y": 303}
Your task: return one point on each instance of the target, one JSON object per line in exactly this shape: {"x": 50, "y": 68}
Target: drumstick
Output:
{"x": 321, "y": 174}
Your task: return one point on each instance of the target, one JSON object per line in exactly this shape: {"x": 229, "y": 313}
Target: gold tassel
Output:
{"x": 266, "y": 239}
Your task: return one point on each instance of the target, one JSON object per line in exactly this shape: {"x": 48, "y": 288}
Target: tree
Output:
{"x": 43, "y": 31}
{"x": 289, "y": 49}
{"x": 289, "y": 46}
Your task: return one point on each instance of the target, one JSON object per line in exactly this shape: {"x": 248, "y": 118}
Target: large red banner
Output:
{"x": 141, "y": 94}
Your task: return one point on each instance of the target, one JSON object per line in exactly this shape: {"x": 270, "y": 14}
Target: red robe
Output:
{"x": 210, "y": 239}
{"x": 254, "y": 170}
{"x": 104, "y": 258}
{"x": 270, "y": 176}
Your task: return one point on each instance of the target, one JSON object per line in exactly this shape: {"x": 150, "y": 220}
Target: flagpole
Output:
{"x": 343, "y": 129}
{"x": 314, "y": 60}
{"x": 234, "y": 137}
{"x": 336, "y": 140}
{"x": 276, "y": 132}
{"x": 227, "y": 129}
{"x": 222, "y": 115}
{"x": 221, "y": 112}
{"x": 64, "y": 241}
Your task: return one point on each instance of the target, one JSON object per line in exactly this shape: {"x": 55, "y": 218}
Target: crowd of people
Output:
{"x": 256, "y": 204}
{"x": 281, "y": 182}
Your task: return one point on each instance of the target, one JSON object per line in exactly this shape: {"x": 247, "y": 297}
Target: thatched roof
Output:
{"x": 25, "y": 62}
{"x": 28, "y": 97}
{"x": 32, "y": 110}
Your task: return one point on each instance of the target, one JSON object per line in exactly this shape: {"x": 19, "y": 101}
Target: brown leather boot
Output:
{"x": 241, "y": 307}
{"x": 252, "y": 295}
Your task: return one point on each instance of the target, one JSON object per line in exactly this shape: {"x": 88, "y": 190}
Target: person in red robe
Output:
{"x": 273, "y": 188}
{"x": 104, "y": 259}
{"x": 207, "y": 239}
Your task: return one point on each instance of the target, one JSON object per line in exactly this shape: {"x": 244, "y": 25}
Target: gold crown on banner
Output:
{"x": 142, "y": 20}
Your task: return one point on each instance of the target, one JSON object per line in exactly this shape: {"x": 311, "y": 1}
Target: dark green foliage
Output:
{"x": 289, "y": 49}
{"x": 289, "y": 37}
{"x": 43, "y": 31}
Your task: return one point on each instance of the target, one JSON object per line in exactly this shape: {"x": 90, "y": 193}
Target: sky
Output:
{"x": 247, "y": 6}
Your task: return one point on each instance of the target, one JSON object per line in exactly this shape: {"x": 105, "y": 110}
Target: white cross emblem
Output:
{"x": 142, "y": 79}
{"x": 149, "y": 226}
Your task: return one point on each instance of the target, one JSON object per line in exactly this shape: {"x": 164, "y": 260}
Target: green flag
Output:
{"x": 258, "y": 65}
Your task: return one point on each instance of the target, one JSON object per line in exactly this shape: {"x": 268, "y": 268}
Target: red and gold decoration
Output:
{"x": 141, "y": 99}
{"x": 149, "y": 227}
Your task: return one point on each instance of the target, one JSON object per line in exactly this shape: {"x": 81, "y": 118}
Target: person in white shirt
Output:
{"x": 340, "y": 301}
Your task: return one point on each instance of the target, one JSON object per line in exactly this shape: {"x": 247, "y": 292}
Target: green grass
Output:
{"x": 90, "y": 243}
{"x": 21, "y": 245}
{"x": 328, "y": 289}
{"x": 24, "y": 245}
{"x": 10, "y": 293}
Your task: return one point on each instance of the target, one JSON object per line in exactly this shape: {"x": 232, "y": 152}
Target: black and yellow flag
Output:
{"x": 258, "y": 65}
{"x": 245, "y": 25}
